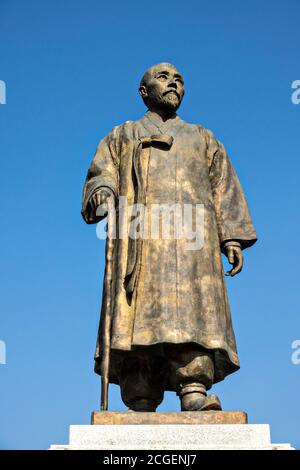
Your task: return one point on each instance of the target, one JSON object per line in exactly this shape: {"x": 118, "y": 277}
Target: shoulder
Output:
{"x": 120, "y": 128}
{"x": 212, "y": 143}
{"x": 213, "y": 146}
{"x": 120, "y": 131}
{"x": 205, "y": 133}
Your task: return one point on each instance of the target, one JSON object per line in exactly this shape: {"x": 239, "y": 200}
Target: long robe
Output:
{"x": 179, "y": 295}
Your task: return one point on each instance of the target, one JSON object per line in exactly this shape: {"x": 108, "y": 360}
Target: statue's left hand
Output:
{"x": 235, "y": 257}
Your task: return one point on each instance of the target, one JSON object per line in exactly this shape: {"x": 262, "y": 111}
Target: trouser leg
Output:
{"x": 191, "y": 372}
{"x": 142, "y": 380}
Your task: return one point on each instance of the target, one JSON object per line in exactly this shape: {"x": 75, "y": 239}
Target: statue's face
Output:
{"x": 164, "y": 87}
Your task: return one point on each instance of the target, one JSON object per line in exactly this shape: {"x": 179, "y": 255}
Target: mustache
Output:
{"x": 172, "y": 91}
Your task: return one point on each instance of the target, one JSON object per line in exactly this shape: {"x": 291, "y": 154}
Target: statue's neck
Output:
{"x": 161, "y": 114}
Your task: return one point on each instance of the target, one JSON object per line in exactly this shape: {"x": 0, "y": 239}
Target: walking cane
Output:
{"x": 108, "y": 311}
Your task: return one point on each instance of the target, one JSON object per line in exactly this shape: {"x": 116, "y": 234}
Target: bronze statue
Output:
{"x": 170, "y": 325}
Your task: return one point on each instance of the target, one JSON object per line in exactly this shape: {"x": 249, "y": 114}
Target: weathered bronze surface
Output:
{"x": 185, "y": 417}
{"x": 171, "y": 326}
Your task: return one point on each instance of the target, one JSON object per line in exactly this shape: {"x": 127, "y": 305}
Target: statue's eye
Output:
{"x": 162, "y": 77}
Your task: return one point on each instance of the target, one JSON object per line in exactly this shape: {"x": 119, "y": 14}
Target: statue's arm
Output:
{"x": 235, "y": 228}
{"x": 102, "y": 178}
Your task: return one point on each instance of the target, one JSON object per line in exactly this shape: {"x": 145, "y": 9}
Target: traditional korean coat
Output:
{"x": 163, "y": 292}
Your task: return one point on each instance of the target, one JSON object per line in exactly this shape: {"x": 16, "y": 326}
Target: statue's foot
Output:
{"x": 197, "y": 401}
{"x": 211, "y": 403}
{"x": 142, "y": 404}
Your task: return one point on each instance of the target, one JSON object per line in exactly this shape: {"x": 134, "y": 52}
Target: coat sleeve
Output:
{"x": 102, "y": 173}
{"x": 232, "y": 212}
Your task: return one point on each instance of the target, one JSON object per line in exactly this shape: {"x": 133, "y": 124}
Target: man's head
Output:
{"x": 162, "y": 88}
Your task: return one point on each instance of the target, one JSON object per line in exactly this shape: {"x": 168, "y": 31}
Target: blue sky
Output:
{"x": 72, "y": 71}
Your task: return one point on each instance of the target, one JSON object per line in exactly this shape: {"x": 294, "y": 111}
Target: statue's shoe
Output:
{"x": 212, "y": 403}
{"x": 196, "y": 401}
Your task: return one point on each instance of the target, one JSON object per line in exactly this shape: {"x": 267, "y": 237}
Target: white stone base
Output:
{"x": 171, "y": 437}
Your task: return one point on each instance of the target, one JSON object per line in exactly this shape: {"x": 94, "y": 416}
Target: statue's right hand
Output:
{"x": 99, "y": 198}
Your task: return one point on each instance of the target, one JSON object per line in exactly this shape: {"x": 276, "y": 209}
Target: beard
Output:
{"x": 169, "y": 102}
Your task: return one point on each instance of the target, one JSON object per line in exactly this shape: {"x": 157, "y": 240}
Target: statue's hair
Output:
{"x": 148, "y": 72}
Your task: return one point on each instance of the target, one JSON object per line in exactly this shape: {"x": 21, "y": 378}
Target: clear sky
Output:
{"x": 71, "y": 71}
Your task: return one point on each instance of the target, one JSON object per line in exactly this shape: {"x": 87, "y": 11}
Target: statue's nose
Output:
{"x": 173, "y": 84}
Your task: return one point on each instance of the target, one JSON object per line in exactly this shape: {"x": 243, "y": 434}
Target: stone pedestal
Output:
{"x": 214, "y": 430}
{"x": 184, "y": 417}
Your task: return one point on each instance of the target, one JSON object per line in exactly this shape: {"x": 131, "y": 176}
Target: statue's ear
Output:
{"x": 143, "y": 91}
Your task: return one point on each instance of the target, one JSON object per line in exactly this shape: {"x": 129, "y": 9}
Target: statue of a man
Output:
{"x": 171, "y": 324}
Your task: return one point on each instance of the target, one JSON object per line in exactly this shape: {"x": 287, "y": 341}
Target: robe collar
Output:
{"x": 154, "y": 121}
